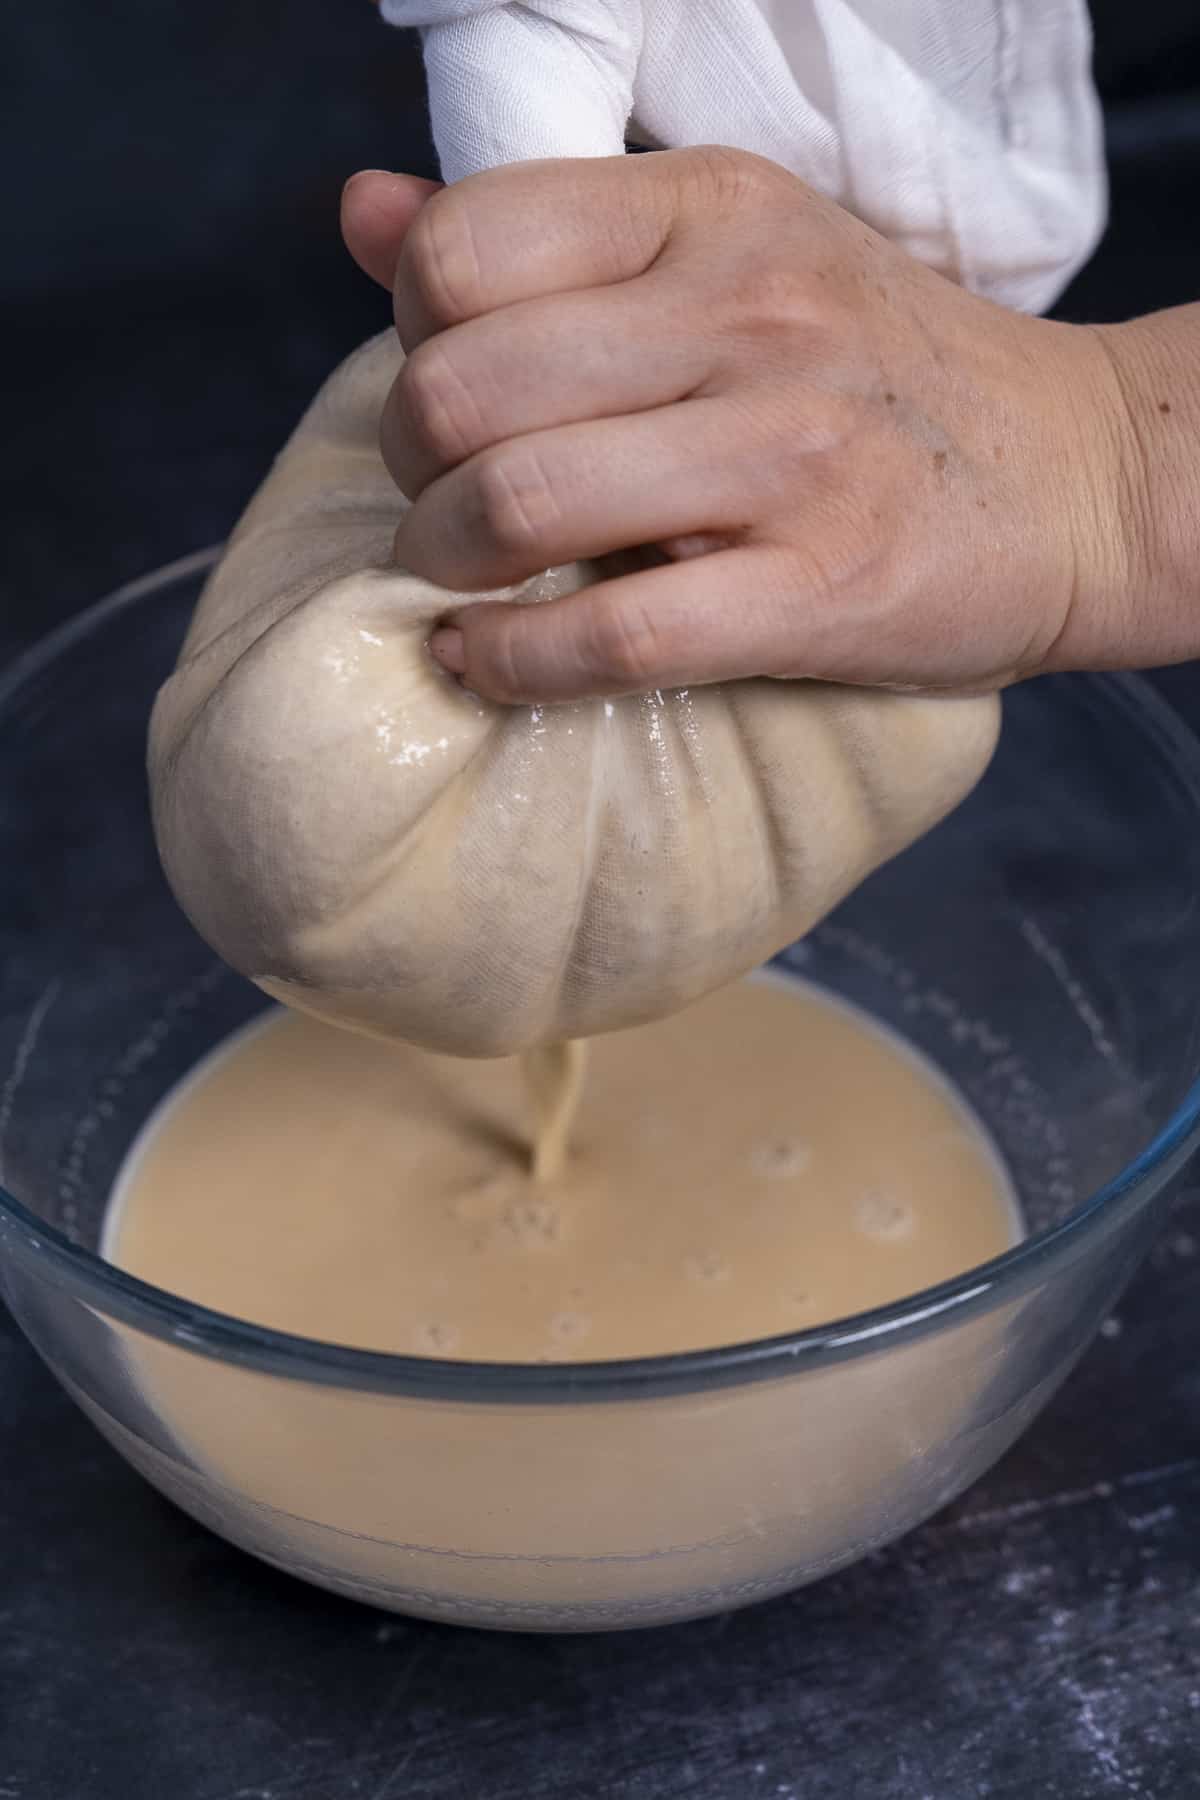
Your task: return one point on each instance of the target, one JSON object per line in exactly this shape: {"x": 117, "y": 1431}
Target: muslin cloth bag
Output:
{"x": 366, "y": 840}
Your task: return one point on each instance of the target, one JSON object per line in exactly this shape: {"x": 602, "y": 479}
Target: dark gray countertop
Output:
{"x": 1039, "y": 1639}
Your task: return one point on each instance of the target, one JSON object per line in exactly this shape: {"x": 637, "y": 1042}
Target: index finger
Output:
{"x": 528, "y": 230}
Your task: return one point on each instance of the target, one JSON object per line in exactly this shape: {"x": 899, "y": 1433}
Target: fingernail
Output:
{"x": 446, "y": 647}
{"x": 364, "y": 175}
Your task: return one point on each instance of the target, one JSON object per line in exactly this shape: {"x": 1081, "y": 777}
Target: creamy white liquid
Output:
{"x": 766, "y": 1160}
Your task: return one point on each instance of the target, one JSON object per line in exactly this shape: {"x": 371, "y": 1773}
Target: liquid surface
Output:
{"x": 765, "y": 1161}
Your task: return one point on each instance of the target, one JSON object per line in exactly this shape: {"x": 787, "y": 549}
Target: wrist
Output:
{"x": 1151, "y": 479}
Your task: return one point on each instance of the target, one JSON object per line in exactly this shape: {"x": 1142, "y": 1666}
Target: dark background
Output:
{"x": 172, "y": 291}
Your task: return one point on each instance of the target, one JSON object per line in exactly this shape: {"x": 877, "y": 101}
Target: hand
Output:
{"x": 852, "y": 468}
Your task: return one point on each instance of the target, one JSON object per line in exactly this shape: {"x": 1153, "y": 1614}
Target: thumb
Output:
{"x": 377, "y": 210}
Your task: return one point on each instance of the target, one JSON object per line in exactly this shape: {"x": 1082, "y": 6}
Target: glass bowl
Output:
{"x": 1038, "y": 946}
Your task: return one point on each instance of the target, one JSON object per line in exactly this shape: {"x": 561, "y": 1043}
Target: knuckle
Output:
{"x": 438, "y": 404}
{"x": 516, "y": 502}
{"x": 767, "y": 301}
{"x": 815, "y": 442}
{"x": 442, "y": 258}
{"x": 624, "y": 644}
{"x": 732, "y": 177}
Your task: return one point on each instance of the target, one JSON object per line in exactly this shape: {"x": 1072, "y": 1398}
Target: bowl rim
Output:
{"x": 43, "y": 1249}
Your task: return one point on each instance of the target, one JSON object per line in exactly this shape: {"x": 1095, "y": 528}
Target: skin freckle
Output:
{"x": 939, "y": 460}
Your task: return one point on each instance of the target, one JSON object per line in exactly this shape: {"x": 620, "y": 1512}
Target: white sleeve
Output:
{"x": 967, "y": 131}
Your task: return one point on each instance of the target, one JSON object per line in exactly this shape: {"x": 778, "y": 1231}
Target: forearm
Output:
{"x": 1155, "y": 364}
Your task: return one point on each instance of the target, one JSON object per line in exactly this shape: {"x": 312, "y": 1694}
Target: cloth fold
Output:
{"x": 967, "y": 131}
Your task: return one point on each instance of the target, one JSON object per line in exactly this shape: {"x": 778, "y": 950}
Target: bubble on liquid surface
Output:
{"x": 570, "y": 1327}
{"x": 709, "y": 1269}
{"x": 533, "y": 1223}
{"x": 482, "y": 1201}
{"x": 884, "y": 1216}
{"x": 780, "y": 1159}
{"x": 436, "y": 1337}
